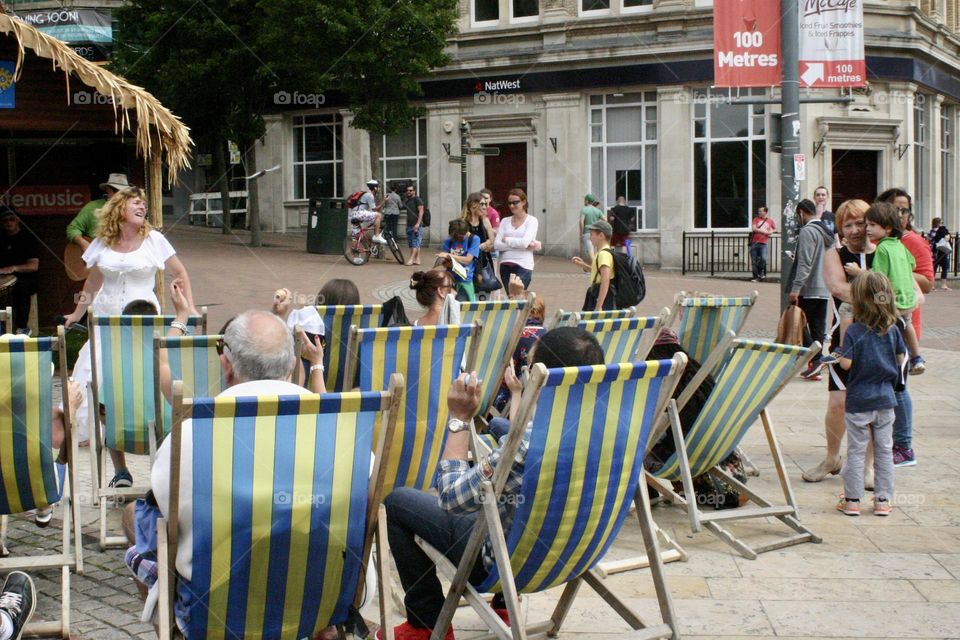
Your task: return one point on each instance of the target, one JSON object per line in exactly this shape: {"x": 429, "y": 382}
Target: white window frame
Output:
{"x": 420, "y": 154}
{"x": 480, "y": 24}
{"x": 947, "y": 159}
{"x": 594, "y": 13}
{"x": 299, "y": 138}
{"x": 610, "y": 200}
{"x": 750, "y": 138}
{"x": 921, "y": 150}
{"x": 524, "y": 19}
{"x": 625, "y": 10}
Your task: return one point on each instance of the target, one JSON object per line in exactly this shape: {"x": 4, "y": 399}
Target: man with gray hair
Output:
{"x": 258, "y": 358}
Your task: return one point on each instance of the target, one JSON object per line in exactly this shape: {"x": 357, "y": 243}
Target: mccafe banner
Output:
{"x": 746, "y": 43}
{"x": 89, "y": 32}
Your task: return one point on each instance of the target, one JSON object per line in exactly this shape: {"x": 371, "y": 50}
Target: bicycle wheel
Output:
{"x": 395, "y": 248}
{"x": 354, "y": 251}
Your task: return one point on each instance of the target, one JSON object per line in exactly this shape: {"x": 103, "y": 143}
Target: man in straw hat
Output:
{"x": 84, "y": 226}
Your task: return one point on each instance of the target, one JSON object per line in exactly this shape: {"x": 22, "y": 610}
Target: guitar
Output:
{"x": 73, "y": 262}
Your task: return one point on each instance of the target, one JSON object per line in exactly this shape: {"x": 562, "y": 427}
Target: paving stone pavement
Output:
{"x": 896, "y": 577}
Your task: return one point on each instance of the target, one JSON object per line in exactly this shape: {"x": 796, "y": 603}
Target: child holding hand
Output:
{"x": 873, "y": 353}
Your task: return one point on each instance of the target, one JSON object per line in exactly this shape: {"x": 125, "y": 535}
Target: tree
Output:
{"x": 218, "y": 64}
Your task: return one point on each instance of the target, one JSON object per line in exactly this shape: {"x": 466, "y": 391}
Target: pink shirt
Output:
{"x": 922, "y": 254}
{"x": 494, "y": 216}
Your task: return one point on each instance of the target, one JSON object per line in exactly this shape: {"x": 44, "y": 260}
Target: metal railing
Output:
{"x": 716, "y": 252}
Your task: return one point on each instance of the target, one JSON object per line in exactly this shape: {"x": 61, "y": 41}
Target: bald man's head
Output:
{"x": 259, "y": 346}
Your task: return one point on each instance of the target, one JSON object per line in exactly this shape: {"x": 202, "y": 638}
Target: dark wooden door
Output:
{"x": 504, "y": 172}
{"x": 854, "y": 175}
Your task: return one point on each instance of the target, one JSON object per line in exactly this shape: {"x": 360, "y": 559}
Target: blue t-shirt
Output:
{"x": 470, "y": 245}
{"x": 874, "y": 370}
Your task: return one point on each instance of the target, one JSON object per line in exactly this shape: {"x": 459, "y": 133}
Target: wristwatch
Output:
{"x": 456, "y": 425}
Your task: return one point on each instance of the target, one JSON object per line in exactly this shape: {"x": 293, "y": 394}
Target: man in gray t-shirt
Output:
{"x": 391, "y": 212}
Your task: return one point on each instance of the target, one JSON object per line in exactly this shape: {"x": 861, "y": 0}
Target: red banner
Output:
{"x": 746, "y": 43}
{"x": 45, "y": 200}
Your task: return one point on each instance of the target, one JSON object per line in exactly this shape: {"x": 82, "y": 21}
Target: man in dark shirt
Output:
{"x": 621, "y": 218}
{"x": 19, "y": 256}
{"x": 414, "y": 206}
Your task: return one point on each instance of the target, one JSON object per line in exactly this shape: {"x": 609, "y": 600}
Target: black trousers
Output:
{"x": 22, "y": 290}
{"x": 816, "y": 311}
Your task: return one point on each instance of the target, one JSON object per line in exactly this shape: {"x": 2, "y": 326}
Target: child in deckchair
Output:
{"x": 872, "y": 352}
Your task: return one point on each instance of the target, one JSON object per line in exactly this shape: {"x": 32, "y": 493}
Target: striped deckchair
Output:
{"x": 705, "y": 320}
{"x": 625, "y": 339}
{"x": 6, "y": 320}
{"x": 429, "y": 358}
{"x": 337, "y": 320}
{"x": 121, "y": 350}
{"x": 502, "y": 322}
{"x": 753, "y": 374}
{"x": 194, "y": 361}
{"x": 570, "y": 318}
{"x": 586, "y": 444}
{"x": 284, "y": 506}
{"x": 29, "y": 476}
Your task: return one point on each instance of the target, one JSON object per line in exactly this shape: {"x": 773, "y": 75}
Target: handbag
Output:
{"x": 943, "y": 245}
{"x": 484, "y": 276}
{"x": 791, "y": 327}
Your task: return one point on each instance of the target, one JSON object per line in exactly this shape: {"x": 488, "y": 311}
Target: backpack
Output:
{"x": 354, "y": 199}
{"x": 425, "y": 222}
{"x": 631, "y": 288}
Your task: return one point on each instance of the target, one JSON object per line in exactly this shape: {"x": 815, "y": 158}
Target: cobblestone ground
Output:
{"x": 897, "y": 577}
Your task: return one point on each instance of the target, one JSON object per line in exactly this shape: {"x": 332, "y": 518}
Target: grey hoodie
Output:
{"x": 812, "y": 240}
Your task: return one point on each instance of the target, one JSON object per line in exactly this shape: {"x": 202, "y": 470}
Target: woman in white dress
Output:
{"x": 123, "y": 261}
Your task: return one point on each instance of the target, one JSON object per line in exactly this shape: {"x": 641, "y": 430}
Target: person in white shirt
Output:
{"x": 517, "y": 240}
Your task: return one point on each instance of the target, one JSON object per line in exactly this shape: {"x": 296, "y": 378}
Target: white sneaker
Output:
{"x": 379, "y": 239}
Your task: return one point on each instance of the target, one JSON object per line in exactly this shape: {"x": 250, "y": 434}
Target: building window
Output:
{"x": 921, "y": 159}
{"x": 587, "y": 6}
{"x": 623, "y": 152}
{"x": 947, "y": 114}
{"x": 729, "y": 160}
{"x": 405, "y": 157}
{"x": 524, "y": 10}
{"x": 485, "y": 11}
{"x": 318, "y": 156}
{"x": 633, "y": 6}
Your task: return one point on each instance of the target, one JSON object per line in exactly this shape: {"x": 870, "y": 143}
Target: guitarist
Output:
{"x": 83, "y": 228}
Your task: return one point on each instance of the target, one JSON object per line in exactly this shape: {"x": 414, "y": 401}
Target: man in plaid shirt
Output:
{"x": 446, "y": 522}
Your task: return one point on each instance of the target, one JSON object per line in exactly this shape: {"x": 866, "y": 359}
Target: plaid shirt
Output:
{"x": 459, "y": 485}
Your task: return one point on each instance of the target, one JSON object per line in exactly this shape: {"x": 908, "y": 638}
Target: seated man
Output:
{"x": 446, "y": 523}
{"x": 19, "y": 256}
{"x": 368, "y": 212}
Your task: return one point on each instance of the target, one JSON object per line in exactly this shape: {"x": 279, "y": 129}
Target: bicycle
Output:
{"x": 359, "y": 247}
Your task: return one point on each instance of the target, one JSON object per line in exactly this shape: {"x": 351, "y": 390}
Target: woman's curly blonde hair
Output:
{"x": 110, "y": 216}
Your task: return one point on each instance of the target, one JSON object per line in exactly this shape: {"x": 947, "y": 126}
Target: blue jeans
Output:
{"x": 758, "y": 258}
{"x": 507, "y": 268}
{"x": 903, "y": 421}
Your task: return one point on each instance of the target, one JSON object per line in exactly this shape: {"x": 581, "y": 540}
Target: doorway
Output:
{"x": 504, "y": 172}
{"x": 854, "y": 175}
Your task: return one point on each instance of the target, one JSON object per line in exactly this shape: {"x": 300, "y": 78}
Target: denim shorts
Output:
{"x": 414, "y": 237}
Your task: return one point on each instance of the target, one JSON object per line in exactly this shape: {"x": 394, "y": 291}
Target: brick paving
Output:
{"x": 897, "y": 577}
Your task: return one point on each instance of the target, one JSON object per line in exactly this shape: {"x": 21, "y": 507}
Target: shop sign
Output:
{"x": 831, "y": 43}
{"x": 46, "y": 199}
{"x": 88, "y": 31}
{"x": 746, "y": 43}
{"x": 8, "y": 88}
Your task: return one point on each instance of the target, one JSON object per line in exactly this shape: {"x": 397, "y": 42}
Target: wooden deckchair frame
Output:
{"x": 98, "y": 449}
{"x": 489, "y": 524}
{"x": 70, "y": 557}
{"x": 6, "y": 317}
{"x": 788, "y": 513}
{"x": 168, "y": 533}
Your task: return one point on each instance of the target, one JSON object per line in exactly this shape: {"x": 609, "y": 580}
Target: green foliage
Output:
{"x": 217, "y": 64}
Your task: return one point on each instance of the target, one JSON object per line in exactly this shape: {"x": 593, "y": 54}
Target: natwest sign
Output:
{"x": 746, "y": 43}
{"x": 45, "y": 200}
{"x": 831, "y": 43}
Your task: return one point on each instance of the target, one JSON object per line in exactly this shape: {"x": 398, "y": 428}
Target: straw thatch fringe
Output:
{"x": 168, "y": 137}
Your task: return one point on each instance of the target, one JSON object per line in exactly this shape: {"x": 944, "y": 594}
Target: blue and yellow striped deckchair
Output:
{"x": 570, "y": 318}
{"x": 584, "y": 462}
{"x": 284, "y": 506}
{"x": 194, "y": 361}
{"x": 29, "y": 476}
{"x": 6, "y": 320}
{"x": 754, "y": 373}
{"x": 625, "y": 339}
{"x": 121, "y": 350}
{"x": 337, "y": 320}
{"x": 429, "y": 358}
{"x": 704, "y": 320}
{"x": 502, "y": 322}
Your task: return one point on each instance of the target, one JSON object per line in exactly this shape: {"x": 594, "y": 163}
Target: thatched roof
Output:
{"x": 152, "y": 119}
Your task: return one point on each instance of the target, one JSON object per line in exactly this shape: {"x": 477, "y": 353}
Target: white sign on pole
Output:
{"x": 831, "y": 44}
{"x": 799, "y": 166}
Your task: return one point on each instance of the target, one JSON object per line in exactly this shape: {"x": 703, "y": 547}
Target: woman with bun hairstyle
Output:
{"x": 432, "y": 288}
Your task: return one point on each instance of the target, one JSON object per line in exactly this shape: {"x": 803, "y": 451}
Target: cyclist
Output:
{"x": 367, "y": 210}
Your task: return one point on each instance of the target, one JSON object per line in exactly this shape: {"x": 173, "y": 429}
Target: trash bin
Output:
{"x": 326, "y": 225}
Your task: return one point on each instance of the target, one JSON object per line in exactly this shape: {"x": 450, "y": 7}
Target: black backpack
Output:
{"x": 631, "y": 288}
